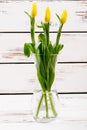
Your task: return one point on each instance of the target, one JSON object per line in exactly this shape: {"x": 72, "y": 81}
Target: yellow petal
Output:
{"x": 63, "y": 17}
{"x": 34, "y": 9}
{"x": 47, "y": 15}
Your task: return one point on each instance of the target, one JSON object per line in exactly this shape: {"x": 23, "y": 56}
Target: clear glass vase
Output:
{"x": 45, "y": 102}
{"x": 45, "y": 105}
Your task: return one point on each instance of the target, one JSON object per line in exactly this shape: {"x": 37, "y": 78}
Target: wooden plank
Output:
{"x": 41, "y": 126}
{"x": 15, "y": 111}
{"x": 13, "y": 18}
{"x": 21, "y": 78}
{"x": 75, "y": 47}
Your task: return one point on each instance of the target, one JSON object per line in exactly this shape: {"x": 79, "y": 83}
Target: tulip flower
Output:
{"x": 63, "y": 17}
{"x": 47, "y": 15}
{"x": 34, "y": 10}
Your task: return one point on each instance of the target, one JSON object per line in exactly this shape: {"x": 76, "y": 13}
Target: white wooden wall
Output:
{"x": 16, "y": 71}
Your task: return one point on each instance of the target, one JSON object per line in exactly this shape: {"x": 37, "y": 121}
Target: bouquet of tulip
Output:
{"x": 45, "y": 54}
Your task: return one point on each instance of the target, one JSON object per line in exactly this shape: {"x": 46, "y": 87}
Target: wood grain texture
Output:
{"x": 11, "y": 47}
{"x": 17, "y": 77}
{"x": 13, "y": 18}
{"x": 16, "y": 111}
{"x": 21, "y": 78}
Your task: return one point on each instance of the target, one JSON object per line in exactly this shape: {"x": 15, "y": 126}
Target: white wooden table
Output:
{"x": 15, "y": 113}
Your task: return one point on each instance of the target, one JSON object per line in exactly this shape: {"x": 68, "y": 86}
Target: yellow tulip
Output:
{"x": 47, "y": 15}
{"x": 63, "y": 17}
{"x": 34, "y": 9}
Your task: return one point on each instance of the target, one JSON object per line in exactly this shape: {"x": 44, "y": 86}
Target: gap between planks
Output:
{"x": 42, "y": 32}
{"x": 68, "y": 62}
{"x": 60, "y": 93}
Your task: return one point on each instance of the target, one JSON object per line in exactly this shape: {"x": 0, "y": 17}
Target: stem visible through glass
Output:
{"x": 46, "y": 104}
{"x": 52, "y": 104}
{"x": 44, "y": 96}
{"x": 39, "y": 105}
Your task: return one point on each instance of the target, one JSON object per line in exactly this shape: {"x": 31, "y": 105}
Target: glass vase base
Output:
{"x": 44, "y": 119}
{"x": 45, "y": 106}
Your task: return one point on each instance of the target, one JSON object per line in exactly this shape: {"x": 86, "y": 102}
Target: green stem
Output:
{"x": 33, "y": 30}
{"x": 46, "y": 32}
{"x": 46, "y": 104}
{"x": 59, "y": 34}
{"x": 52, "y": 104}
{"x": 39, "y": 105}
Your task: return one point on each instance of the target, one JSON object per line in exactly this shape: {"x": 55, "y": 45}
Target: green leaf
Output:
{"x": 39, "y": 26}
{"x": 58, "y": 48}
{"x": 41, "y": 49}
{"x": 61, "y": 47}
{"x": 52, "y": 76}
{"x": 58, "y": 17}
{"x": 40, "y": 71}
{"x": 41, "y": 80}
{"x": 27, "y": 14}
{"x": 41, "y": 38}
{"x": 26, "y": 49}
{"x": 50, "y": 48}
{"x": 51, "y": 71}
{"x": 31, "y": 46}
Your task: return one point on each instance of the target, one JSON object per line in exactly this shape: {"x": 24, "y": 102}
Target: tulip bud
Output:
{"x": 34, "y": 10}
{"x": 47, "y": 15}
{"x": 63, "y": 17}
